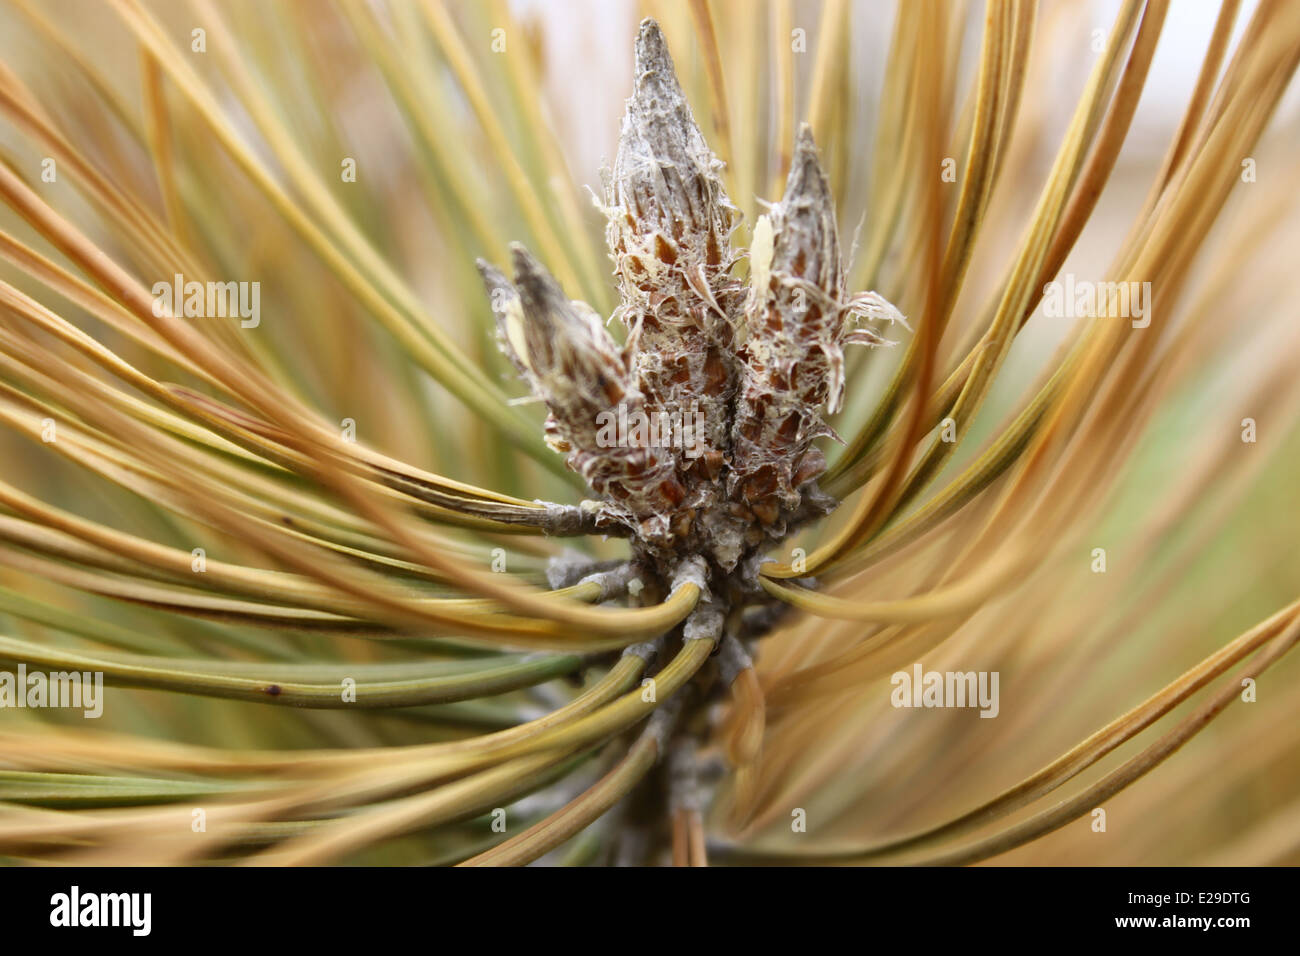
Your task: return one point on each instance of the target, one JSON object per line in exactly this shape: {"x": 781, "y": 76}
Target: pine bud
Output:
{"x": 670, "y": 225}
{"x": 796, "y": 319}
{"x": 751, "y": 365}
{"x": 571, "y": 363}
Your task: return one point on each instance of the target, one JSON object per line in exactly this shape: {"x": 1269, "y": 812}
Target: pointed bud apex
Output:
{"x": 793, "y": 363}
{"x": 667, "y": 203}
{"x": 573, "y": 364}
{"x": 566, "y": 341}
{"x": 807, "y": 242}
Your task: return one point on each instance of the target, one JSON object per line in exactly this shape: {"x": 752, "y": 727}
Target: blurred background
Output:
{"x": 1200, "y": 528}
